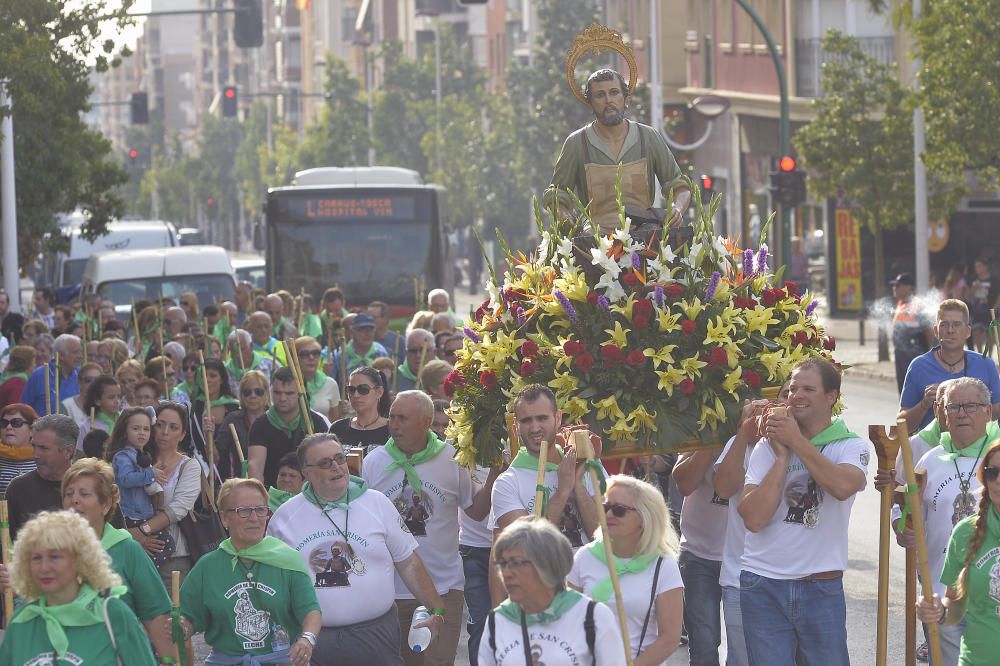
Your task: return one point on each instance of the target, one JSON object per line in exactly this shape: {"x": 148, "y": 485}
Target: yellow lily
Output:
{"x": 733, "y": 353}
{"x": 564, "y": 384}
{"x": 618, "y": 334}
{"x": 575, "y": 409}
{"x": 625, "y": 309}
{"x": 669, "y": 378}
{"x": 609, "y": 409}
{"x": 718, "y": 331}
{"x": 759, "y": 319}
{"x": 663, "y": 355}
{"x": 771, "y": 362}
{"x": 667, "y": 322}
{"x": 640, "y": 418}
{"x": 691, "y": 367}
{"x": 691, "y": 309}
{"x": 622, "y": 431}
{"x": 573, "y": 283}
{"x": 733, "y": 380}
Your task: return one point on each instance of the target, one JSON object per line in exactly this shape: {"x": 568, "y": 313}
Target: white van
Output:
{"x": 121, "y": 277}
{"x": 67, "y": 270}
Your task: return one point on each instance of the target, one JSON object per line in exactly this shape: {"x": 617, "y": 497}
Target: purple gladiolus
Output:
{"x": 604, "y": 303}
{"x": 658, "y": 296}
{"x": 567, "y": 306}
{"x": 747, "y": 263}
{"x": 811, "y": 307}
{"x": 521, "y": 317}
{"x": 636, "y": 260}
{"x": 470, "y": 334}
{"x": 713, "y": 284}
{"x": 762, "y": 259}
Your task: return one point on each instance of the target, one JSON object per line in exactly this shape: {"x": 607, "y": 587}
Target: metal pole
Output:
{"x": 437, "y": 93}
{"x": 370, "y": 84}
{"x": 655, "y": 103}
{"x": 922, "y": 253}
{"x": 8, "y": 204}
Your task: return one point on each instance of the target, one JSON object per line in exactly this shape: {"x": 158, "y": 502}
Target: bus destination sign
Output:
{"x": 360, "y": 207}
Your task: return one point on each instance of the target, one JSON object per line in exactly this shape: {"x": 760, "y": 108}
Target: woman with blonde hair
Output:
{"x": 255, "y": 397}
{"x": 645, "y": 549}
{"x": 323, "y": 390}
{"x": 128, "y": 374}
{"x": 432, "y": 378}
{"x": 74, "y": 613}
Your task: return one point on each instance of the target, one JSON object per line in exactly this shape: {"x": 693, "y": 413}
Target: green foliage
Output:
{"x": 60, "y": 163}
{"x": 340, "y": 138}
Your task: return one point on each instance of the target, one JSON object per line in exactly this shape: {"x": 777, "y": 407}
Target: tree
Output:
{"x": 340, "y": 137}
{"x": 61, "y": 164}
{"x": 859, "y": 147}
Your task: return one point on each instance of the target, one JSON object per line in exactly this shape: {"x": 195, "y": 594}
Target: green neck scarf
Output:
{"x": 602, "y": 591}
{"x": 931, "y": 433}
{"x": 192, "y": 391}
{"x": 974, "y": 450}
{"x": 525, "y": 460}
{"x": 356, "y": 487}
{"x": 11, "y": 375}
{"x": 312, "y": 326}
{"x": 277, "y": 330}
{"x": 405, "y": 371}
{"x": 84, "y": 611}
{"x": 276, "y": 497}
{"x": 356, "y": 360}
{"x": 224, "y": 400}
{"x": 314, "y": 385}
{"x": 409, "y": 463}
{"x": 564, "y": 600}
{"x": 221, "y": 331}
{"x": 287, "y": 427}
{"x": 268, "y": 550}
{"x": 101, "y": 417}
{"x": 113, "y": 536}
{"x": 835, "y": 432}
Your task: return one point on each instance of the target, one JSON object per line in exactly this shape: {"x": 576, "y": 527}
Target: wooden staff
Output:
{"x": 239, "y": 450}
{"x": 8, "y": 595}
{"x": 293, "y": 364}
{"x": 514, "y": 440}
{"x": 397, "y": 362}
{"x": 581, "y": 442}
{"x": 423, "y": 357}
{"x": 86, "y": 333}
{"x": 343, "y": 370}
{"x": 302, "y": 307}
{"x": 994, "y": 336}
{"x": 910, "y": 616}
{"x": 48, "y": 391}
{"x": 135, "y": 324}
{"x": 162, "y": 352}
{"x": 543, "y": 452}
{"x": 175, "y": 596}
{"x": 913, "y": 498}
{"x": 886, "y": 448}
{"x": 210, "y": 435}
{"x": 416, "y": 293}
{"x": 93, "y": 417}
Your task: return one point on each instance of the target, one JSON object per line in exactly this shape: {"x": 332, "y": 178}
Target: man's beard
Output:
{"x": 612, "y": 119}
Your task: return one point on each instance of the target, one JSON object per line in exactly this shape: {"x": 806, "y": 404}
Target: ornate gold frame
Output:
{"x": 595, "y": 38}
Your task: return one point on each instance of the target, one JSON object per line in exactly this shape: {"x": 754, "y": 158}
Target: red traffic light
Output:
{"x": 787, "y": 163}
{"x": 132, "y": 154}
{"x": 230, "y": 93}
{"x": 706, "y": 182}
{"x": 210, "y": 201}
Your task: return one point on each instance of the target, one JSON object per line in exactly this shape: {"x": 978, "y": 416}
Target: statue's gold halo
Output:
{"x": 595, "y": 38}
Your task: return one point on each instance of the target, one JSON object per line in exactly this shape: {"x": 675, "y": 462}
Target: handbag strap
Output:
{"x": 524, "y": 638}
{"x": 111, "y": 630}
{"x": 652, "y": 598}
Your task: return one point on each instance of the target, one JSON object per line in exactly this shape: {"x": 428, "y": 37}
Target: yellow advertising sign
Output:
{"x": 848, "y": 261}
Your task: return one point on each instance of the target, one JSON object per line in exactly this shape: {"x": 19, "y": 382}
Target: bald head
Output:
{"x": 274, "y": 307}
{"x": 174, "y": 319}
{"x": 260, "y": 326}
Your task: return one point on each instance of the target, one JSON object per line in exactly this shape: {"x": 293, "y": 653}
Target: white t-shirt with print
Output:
{"x": 703, "y": 519}
{"x": 588, "y": 572}
{"x": 808, "y": 532}
{"x": 354, "y": 583}
{"x": 559, "y": 643}
{"x": 514, "y": 490}
{"x": 471, "y": 532}
{"x": 918, "y": 447}
{"x": 430, "y": 515}
{"x": 736, "y": 529}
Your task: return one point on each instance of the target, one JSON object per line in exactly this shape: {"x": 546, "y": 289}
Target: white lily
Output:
{"x": 613, "y": 290}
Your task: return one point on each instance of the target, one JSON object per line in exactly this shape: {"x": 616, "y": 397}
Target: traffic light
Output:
{"x": 248, "y": 26}
{"x": 139, "y": 108}
{"x": 133, "y": 156}
{"x": 230, "y": 102}
{"x": 788, "y": 183}
{"x": 706, "y": 188}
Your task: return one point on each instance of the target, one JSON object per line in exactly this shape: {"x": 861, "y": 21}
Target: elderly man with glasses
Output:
{"x": 53, "y": 443}
{"x": 353, "y": 542}
{"x": 419, "y": 350}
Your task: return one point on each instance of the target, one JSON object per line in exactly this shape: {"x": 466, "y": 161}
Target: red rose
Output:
{"x": 630, "y": 279}
{"x": 482, "y": 310}
{"x": 612, "y": 355}
{"x": 744, "y": 302}
{"x": 674, "y": 290}
{"x": 791, "y": 287}
{"x": 643, "y": 306}
{"x": 529, "y": 348}
{"x": 592, "y": 298}
{"x": 830, "y": 343}
{"x": 771, "y": 296}
{"x": 585, "y": 361}
{"x": 801, "y": 338}
{"x": 688, "y": 327}
{"x": 636, "y": 358}
{"x": 527, "y": 368}
{"x": 751, "y": 378}
{"x": 488, "y": 379}
{"x": 574, "y": 348}
{"x": 687, "y": 387}
{"x": 456, "y": 378}
{"x": 640, "y": 321}
{"x": 448, "y": 388}
{"x": 718, "y": 357}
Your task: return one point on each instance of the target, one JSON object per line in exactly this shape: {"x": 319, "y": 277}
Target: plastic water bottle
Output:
{"x": 420, "y": 637}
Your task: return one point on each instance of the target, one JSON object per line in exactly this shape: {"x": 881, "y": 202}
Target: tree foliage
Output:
{"x": 48, "y": 49}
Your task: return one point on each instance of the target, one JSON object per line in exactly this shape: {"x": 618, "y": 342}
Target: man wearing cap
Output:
{"x": 361, "y": 349}
{"x": 912, "y": 331}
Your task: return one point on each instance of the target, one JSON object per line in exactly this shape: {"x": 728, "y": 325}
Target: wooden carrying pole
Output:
{"x": 175, "y": 597}
{"x": 515, "y": 442}
{"x": 886, "y": 448}
{"x": 210, "y": 435}
{"x": 293, "y": 362}
{"x": 581, "y": 442}
{"x": 56, "y": 387}
{"x": 8, "y": 595}
{"x": 543, "y": 452}
{"x": 48, "y": 391}
{"x": 239, "y": 450}
{"x": 913, "y": 499}
{"x": 994, "y": 340}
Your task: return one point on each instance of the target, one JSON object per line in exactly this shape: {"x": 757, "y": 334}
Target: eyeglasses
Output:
{"x": 951, "y": 325}
{"x": 315, "y": 353}
{"x": 327, "y": 463}
{"x": 991, "y": 473}
{"x": 507, "y": 565}
{"x": 247, "y": 392}
{"x": 415, "y": 350}
{"x": 245, "y": 511}
{"x": 88, "y": 378}
{"x": 191, "y": 368}
{"x": 13, "y": 423}
{"x": 969, "y": 408}
{"x": 617, "y": 510}
{"x": 363, "y": 389}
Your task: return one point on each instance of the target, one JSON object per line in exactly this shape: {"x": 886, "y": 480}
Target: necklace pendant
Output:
{"x": 249, "y": 575}
{"x": 964, "y": 506}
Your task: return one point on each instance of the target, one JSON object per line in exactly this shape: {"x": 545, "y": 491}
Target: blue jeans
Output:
{"x": 736, "y": 643}
{"x": 794, "y": 621}
{"x": 476, "y": 562}
{"x": 702, "y": 599}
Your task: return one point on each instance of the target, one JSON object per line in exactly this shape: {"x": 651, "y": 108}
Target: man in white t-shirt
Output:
{"x": 568, "y": 501}
{"x": 796, "y": 503}
{"x": 418, "y": 473}
{"x": 353, "y": 542}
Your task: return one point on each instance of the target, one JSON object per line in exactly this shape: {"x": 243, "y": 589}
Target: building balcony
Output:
{"x": 810, "y": 56}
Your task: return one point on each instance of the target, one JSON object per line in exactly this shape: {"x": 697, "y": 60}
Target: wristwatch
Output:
{"x": 310, "y": 637}
{"x": 145, "y": 529}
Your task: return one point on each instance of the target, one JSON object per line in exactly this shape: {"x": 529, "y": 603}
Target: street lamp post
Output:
{"x": 11, "y": 280}
{"x": 437, "y": 95}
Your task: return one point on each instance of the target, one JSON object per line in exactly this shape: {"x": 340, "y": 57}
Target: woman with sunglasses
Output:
{"x": 324, "y": 393}
{"x": 972, "y": 557}
{"x": 206, "y": 415}
{"x": 645, "y": 553}
{"x": 16, "y": 456}
{"x": 369, "y": 397}
{"x": 252, "y": 597}
{"x": 73, "y": 405}
{"x": 255, "y": 398}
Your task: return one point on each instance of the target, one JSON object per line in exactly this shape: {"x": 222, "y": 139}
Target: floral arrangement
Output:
{"x": 645, "y": 344}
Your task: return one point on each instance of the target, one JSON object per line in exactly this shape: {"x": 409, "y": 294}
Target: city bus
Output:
{"x": 378, "y": 233}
